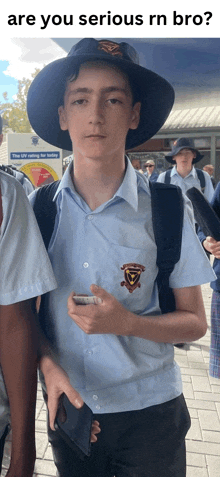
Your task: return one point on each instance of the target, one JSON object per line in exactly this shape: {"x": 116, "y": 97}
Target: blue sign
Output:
{"x": 34, "y": 155}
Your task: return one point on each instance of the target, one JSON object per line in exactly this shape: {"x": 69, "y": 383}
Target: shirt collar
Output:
{"x": 192, "y": 172}
{"x": 128, "y": 189}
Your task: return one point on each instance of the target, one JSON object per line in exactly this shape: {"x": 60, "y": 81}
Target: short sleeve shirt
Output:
{"x": 25, "y": 269}
{"x": 191, "y": 180}
{"x": 103, "y": 247}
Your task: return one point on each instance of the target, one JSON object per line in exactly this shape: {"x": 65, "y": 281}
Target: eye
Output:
{"x": 79, "y": 101}
{"x": 114, "y": 101}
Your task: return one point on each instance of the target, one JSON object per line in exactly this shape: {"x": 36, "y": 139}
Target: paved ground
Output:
{"x": 202, "y": 394}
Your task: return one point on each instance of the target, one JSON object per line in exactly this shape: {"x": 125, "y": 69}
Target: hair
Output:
{"x": 73, "y": 77}
{"x": 209, "y": 166}
{"x": 1, "y": 123}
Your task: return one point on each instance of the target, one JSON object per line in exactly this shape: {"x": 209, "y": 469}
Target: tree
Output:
{"x": 16, "y": 115}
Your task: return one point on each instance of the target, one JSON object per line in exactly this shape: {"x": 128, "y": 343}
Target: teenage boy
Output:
{"x": 184, "y": 155}
{"x": 25, "y": 272}
{"x": 118, "y": 354}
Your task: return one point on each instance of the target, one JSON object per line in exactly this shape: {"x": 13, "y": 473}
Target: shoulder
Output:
{"x": 161, "y": 177}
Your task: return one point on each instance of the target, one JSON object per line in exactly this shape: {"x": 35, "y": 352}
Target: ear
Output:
{"x": 62, "y": 118}
{"x": 135, "y": 116}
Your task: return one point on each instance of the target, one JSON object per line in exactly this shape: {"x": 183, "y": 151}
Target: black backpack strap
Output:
{"x": 45, "y": 210}
{"x": 201, "y": 177}
{"x": 167, "y": 216}
{"x": 167, "y": 178}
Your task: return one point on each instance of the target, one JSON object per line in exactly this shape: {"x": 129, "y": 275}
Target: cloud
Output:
{"x": 26, "y": 54}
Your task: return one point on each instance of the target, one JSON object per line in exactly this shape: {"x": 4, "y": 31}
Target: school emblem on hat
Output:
{"x": 110, "y": 47}
{"x": 132, "y": 273}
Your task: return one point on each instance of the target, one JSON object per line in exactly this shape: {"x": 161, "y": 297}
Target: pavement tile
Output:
{"x": 188, "y": 390}
{"x": 200, "y": 447}
{"x": 196, "y": 472}
{"x": 194, "y": 431}
{"x": 201, "y": 383}
{"x": 195, "y": 460}
{"x": 207, "y": 396}
{"x": 213, "y": 465}
{"x": 198, "y": 404}
{"x": 209, "y": 420}
{"x": 211, "y": 436}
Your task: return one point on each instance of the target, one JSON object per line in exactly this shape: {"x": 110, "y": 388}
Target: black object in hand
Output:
{"x": 74, "y": 426}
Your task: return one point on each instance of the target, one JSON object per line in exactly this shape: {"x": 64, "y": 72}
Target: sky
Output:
{"x": 20, "y": 57}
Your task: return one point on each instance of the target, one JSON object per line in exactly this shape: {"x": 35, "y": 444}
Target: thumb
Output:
{"x": 99, "y": 292}
{"x": 210, "y": 239}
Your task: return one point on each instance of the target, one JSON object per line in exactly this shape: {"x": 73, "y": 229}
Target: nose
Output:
{"x": 96, "y": 113}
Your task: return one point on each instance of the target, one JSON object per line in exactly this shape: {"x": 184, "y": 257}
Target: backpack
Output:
{"x": 167, "y": 228}
{"x": 199, "y": 172}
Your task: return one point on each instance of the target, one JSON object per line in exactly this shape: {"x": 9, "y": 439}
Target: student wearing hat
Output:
{"x": 25, "y": 272}
{"x": 118, "y": 354}
{"x": 183, "y": 156}
{"x": 150, "y": 172}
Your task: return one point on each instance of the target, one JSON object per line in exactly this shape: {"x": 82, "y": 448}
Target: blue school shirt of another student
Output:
{"x": 25, "y": 269}
{"x": 191, "y": 180}
{"x": 115, "y": 373}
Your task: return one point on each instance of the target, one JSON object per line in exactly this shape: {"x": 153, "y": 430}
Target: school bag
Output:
{"x": 167, "y": 215}
{"x": 199, "y": 173}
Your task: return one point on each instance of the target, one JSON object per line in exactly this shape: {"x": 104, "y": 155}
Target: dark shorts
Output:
{"x": 145, "y": 443}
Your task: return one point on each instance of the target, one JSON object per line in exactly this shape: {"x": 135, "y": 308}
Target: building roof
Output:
{"x": 193, "y": 118}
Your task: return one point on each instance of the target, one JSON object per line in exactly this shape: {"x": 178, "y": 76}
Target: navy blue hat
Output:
{"x": 183, "y": 143}
{"x": 47, "y": 91}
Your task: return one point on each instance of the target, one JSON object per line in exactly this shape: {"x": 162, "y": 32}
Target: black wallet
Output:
{"x": 74, "y": 426}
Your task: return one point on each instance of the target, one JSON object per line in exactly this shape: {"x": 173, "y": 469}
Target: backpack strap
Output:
{"x": 167, "y": 216}
{"x": 201, "y": 177}
{"x": 167, "y": 178}
{"x": 45, "y": 210}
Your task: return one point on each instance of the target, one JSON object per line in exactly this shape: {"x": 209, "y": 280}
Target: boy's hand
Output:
{"x": 57, "y": 383}
{"x": 212, "y": 246}
{"x": 107, "y": 317}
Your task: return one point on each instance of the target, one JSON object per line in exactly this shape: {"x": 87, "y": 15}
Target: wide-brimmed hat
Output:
{"x": 47, "y": 91}
{"x": 183, "y": 143}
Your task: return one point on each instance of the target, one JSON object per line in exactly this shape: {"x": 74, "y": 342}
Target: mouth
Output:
{"x": 95, "y": 136}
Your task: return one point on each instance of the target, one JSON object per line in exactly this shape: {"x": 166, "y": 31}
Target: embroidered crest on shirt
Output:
{"x": 132, "y": 273}
{"x": 110, "y": 47}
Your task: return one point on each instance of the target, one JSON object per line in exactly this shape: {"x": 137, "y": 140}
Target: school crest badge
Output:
{"x": 110, "y": 47}
{"x": 132, "y": 273}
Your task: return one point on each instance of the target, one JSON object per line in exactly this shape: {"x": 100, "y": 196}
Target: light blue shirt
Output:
{"x": 115, "y": 373}
{"x": 25, "y": 269}
{"x": 191, "y": 180}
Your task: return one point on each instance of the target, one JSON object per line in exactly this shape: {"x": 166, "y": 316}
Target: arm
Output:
{"x": 212, "y": 246}
{"x": 57, "y": 382}
{"x": 187, "y": 323}
{"x": 18, "y": 356}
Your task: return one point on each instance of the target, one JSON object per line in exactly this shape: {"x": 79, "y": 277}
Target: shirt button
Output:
{"x": 90, "y": 217}
{"x": 85, "y": 264}
{"x": 98, "y": 407}
{"x": 95, "y": 397}
{"x": 89, "y": 351}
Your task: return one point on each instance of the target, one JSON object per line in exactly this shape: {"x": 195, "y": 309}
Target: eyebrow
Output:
{"x": 108, "y": 89}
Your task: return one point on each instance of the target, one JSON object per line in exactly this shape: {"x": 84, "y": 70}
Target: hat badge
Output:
{"x": 110, "y": 47}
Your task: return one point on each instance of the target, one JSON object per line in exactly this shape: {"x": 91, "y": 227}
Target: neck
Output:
{"x": 96, "y": 180}
{"x": 184, "y": 169}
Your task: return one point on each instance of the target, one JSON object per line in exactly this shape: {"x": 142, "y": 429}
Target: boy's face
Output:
{"x": 184, "y": 157}
{"x": 98, "y": 111}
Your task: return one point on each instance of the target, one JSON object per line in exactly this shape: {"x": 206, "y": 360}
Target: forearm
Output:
{"x": 176, "y": 327}
{"x": 18, "y": 356}
{"x": 187, "y": 323}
